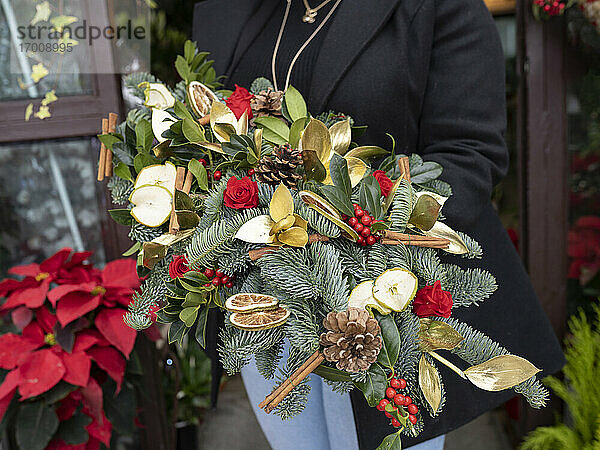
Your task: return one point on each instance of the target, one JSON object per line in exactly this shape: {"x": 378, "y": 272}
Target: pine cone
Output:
{"x": 267, "y": 103}
{"x": 280, "y": 167}
{"x": 352, "y": 340}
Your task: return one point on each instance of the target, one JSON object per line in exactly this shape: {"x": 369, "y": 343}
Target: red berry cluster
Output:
{"x": 216, "y": 176}
{"x": 551, "y": 7}
{"x": 399, "y": 400}
{"x": 218, "y": 278}
{"x": 361, "y": 222}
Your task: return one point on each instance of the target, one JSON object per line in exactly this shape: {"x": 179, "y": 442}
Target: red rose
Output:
{"x": 239, "y": 101}
{"x": 241, "y": 194}
{"x": 179, "y": 266}
{"x": 433, "y": 301}
{"x": 384, "y": 182}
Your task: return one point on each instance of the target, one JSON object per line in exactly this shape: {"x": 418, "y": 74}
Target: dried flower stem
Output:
{"x": 260, "y": 252}
{"x": 449, "y": 365}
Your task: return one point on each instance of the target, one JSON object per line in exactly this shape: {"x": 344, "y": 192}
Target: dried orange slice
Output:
{"x": 259, "y": 320}
{"x": 245, "y": 303}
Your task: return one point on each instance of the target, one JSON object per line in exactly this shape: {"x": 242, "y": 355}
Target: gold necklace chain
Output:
{"x": 311, "y": 13}
{"x": 299, "y": 52}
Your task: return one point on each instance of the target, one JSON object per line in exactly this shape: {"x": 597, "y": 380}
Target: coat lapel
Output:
{"x": 354, "y": 25}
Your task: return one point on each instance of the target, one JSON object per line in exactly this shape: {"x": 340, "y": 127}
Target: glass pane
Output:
{"x": 583, "y": 108}
{"x": 506, "y": 195}
{"x": 70, "y": 79}
{"x": 47, "y": 201}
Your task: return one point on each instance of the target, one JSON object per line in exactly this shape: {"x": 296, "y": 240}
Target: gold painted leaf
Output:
{"x": 367, "y": 152}
{"x": 187, "y": 219}
{"x": 282, "y": 204}
{"x": 258, "y": 138}
{"x": 255, "y": 231}
{"x": 425, "y": 213}
{"x": 356, "y": 169}
{"x": 341, "y": 136}
{"x": 294, "y": 237}
{"x": 283, "y": 224}
{"x": 152, "y": 253}
{"x": 221, "y": 114}
{"x": 429, "y": 382}
{"x": 441, "y": 230}
{"x": 169, "y": 239}
{"x": 242, "y": 124}
{"x": 300, "y": 222}
{"x": 316, "y": 137}
{"x": 437, "y": 335}
{"x": 501, "y": 372}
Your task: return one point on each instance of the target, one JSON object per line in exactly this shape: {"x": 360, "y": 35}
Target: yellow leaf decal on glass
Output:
{"x": 28, "y": 112}
{"x": 42, "y": 13}
{"x": 38, "y": 72}
{"x": 59, "y": 22}
{"x": 65, "y": 41}
{"x": 50, "y": 97}
{"x": 43, "y": 113}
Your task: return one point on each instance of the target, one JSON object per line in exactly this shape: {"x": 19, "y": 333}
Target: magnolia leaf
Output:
{"x": 501, "y": 372}
{"x": 295, "y": 104}
{"x": 313, "y": 167}
{"x": 282, "y": 204}
{"x": 391, "y": 340}
{"x": 341, "y": 136}
{"x": 438, "y": 198}
{"x": 255, "y": 231}
{"x": 294, "y": 237}
{"x": 425, "y": 213}
{"x": 169, "y": 239}
{"x": 316, "y": 137}
{"x": 367, "y": 152}
{"x": 152, "y": 253}
{"x": 437, "y": 335}
{"x": 257, "y": 138}
{"x": 441, "y": 230}
{"x": 391, "y": 442}
{"x": 274, "y": 130}
{"x": 187, "y": 219}
{"x": 429, "y": 382}
{"x": 283, "y": 224}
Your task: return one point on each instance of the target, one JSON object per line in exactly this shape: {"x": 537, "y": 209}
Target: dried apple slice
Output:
{"x": 395, "y": 288}
{"x": 259, "y": 320}
{"x": 251, "y": 302}
{"x": 362, "y": 297}
{"x": 158, "y": 175}
{"x": 152, "y": 205}
{"x": 161, "y": 122}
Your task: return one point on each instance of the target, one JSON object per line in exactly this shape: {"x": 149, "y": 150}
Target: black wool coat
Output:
{"x": 431, "y": 73}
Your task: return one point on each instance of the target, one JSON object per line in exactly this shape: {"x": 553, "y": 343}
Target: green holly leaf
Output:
{"x": 338, "y": 167}
{"x": 370, "y": 196}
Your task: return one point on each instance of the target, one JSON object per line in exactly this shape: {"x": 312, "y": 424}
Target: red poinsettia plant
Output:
{"x": 66, "y": 355}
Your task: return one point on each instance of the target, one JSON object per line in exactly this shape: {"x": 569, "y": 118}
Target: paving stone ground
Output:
{"x": 233, "y": 427}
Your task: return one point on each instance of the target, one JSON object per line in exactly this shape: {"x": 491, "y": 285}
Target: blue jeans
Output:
{"x": 327, "y": 422}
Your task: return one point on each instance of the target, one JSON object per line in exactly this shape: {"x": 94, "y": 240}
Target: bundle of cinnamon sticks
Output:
{"x": 275, "y": 397}
{"x": 105, "y": 161}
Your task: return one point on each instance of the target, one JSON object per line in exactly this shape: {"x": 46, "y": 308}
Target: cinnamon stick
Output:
{"x": 394, "y": 238}
{"x": 404, "y": 168}
{"x": 295, "y": 382}
{"x": 204, "y": 120}
{"x": 260, "y": 252}
{"x": 187, "y": 185}
{"x": 112, "y": 127}
{"x": 103, "y": 151}
{"x": 180, "y": 178}
{"x": 283, "y": 385}
{"x": 179, "y": 181}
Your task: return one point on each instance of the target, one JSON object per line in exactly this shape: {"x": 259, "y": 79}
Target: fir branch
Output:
{"x": 402, "y": 206}
{"x": 475, "y": 250}
{"x": 408, "y": 359}
{"x": 120, "y": 190}
{"x": 237, "y": 346}
{"x": 267, "y": 360}
{"x": 427, "y": 265}
{"x": 332, "y": 283}
{"x": 353, "y": 259}
{"x": 259, "y": 85}
{"x": 399, "y": 256}
{"x": 295, "y": 402}
{"x": 209, "y": 245}
{"x": 237, "y": 260}
{"x": 302, "y": 327}
{"x": 149, "y": 296}
{"x": 290, "y": 270}
{"x": 213, "y": 205}
{"x": 468, "y": 287}
{"x": 437, "y": 186}
{"x": 377, "y": 259}
{"x": 132, "y": 82}
{"x": 318, "y": 222}
{"x": 477, "y": 348}
{"x": 339, "y": 387}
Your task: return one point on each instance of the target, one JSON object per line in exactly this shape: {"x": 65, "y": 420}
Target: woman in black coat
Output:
{"x": 431, "y": 73}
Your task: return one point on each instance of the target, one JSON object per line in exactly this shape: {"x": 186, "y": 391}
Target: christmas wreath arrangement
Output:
{"x": 66, "y": 379}
{"x": 245, "y": 202}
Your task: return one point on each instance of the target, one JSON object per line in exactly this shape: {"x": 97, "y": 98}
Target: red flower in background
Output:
{"x": 384, "y": 182}
{"x": 239, "y": 101}
{"x": 584, "y": 249}
{"x": 71, "y": 320}
{"x": 433, "y": 301}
